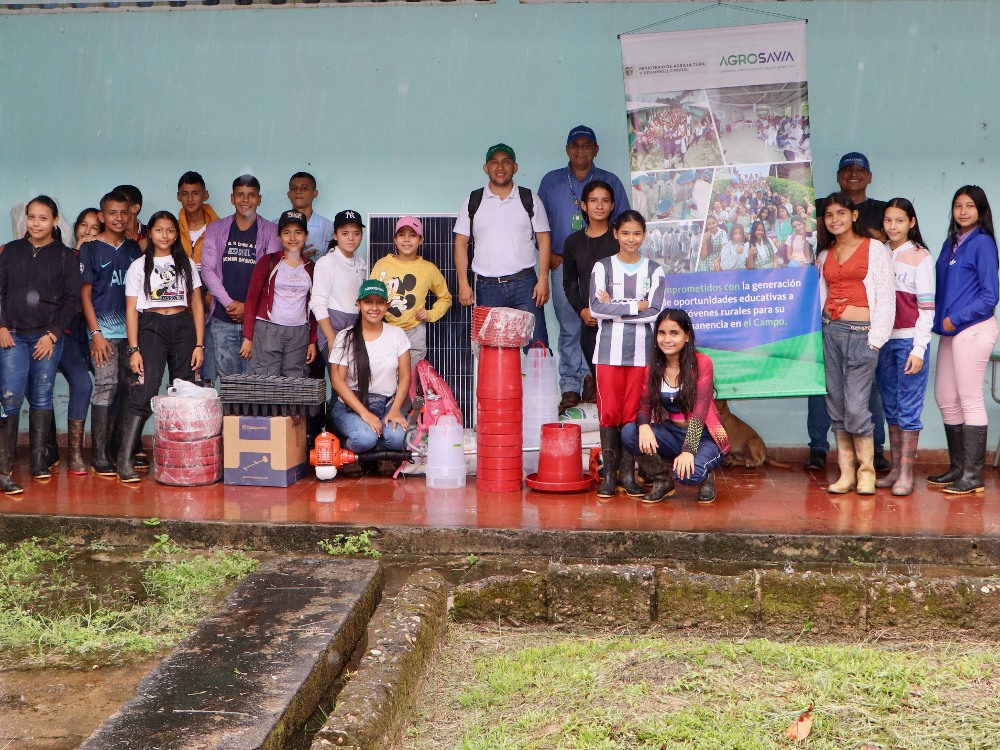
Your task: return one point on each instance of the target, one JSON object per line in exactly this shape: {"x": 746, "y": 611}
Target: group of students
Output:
{"x": 880, "y": 305}
{"x": 138, "y": 293}
{"x": 200, "y": 297}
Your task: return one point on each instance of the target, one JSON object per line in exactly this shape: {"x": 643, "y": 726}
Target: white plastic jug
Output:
{"x": 445, "y": 454}
{"x": 539, "y": 377}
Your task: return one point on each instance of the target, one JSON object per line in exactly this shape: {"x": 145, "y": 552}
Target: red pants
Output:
{"x": 618, "y": 392}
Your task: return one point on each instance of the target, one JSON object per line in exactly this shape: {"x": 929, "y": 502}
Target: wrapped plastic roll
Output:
{"x": 187, "y": 418}
{"x": 188, "y": 476}
{"x": 185, "y": 453}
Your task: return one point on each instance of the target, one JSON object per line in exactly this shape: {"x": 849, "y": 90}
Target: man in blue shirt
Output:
{"x": 302, "y": 192}
{"x": 560, "y": 191}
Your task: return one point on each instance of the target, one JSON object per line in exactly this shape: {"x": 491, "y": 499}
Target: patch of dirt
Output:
{"x": 57, "y": 709}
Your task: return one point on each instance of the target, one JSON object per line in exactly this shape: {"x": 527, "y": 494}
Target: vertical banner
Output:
{"x": 718, "y": 126}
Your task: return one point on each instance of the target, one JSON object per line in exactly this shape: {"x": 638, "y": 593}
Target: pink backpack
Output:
{"x": 437, "y": 396}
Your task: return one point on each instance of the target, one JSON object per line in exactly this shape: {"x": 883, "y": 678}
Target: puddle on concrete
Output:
{"x": 57, "y": 709}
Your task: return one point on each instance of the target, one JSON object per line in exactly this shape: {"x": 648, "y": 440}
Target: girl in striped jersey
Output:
{"x": 902, "y": 373}
{"x": 626, "y": 293}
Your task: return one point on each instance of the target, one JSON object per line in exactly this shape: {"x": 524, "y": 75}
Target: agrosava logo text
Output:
{"x": 756, "y": 58}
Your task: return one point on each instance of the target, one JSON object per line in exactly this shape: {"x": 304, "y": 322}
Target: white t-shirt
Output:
{"x": 505, "y": 236}
{"x": 383, "y": 359}
{"x": 166, "y": 287}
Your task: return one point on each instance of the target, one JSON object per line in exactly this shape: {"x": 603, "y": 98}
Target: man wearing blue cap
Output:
{"x": 560, "y": 191}
{"x": 854, "y": 175}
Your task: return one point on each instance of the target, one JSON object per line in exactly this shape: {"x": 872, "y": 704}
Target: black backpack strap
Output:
{"x": 527, "y": 200}
{"x": 475, "y": 200}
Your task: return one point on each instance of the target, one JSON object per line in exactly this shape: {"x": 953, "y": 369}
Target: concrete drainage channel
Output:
{"x": 252, "y": 674}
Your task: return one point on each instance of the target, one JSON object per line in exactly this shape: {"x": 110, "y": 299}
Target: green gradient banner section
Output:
{"x": 793, "y": 367}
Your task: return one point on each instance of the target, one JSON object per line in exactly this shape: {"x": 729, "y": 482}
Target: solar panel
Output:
{"x": 448, "y": 345}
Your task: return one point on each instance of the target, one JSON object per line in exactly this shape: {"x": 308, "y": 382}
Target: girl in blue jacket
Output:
{"x": 967, "y": 292}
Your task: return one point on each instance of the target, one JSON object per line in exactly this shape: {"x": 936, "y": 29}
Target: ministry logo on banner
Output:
{"x": 721, "y": 168}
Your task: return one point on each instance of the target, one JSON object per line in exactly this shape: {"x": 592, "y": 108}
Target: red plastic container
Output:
{"x": 489, "y": 485}
{"x": 500, "y": 441}
{"x": 512, "y": 461}
{"x": 499, "y": 373}
{"x": 505, "y": 327}
{"x": 560, "y": 460}
{"x": 487, "y": 427}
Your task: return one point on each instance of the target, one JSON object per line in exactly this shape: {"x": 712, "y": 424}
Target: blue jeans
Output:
{"x": 573, "y": 366}
{"x": 670, "y": 443}
{"x": 902, "y": 395}
{"x": 74, "y": 364}
{"x": 208, "y": 371}
{"x": 227, "y": 338}
{"x": 516, "y": 294}
{"x": 358, "y": 436}
{"x": 23, "y": 376}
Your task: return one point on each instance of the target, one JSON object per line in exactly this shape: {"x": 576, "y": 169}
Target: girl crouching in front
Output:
{"x": 678, "y": 434}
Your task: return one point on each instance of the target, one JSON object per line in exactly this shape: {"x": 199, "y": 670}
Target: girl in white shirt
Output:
{"x": 165, "y": 325}
{"x": 370, "y": 371}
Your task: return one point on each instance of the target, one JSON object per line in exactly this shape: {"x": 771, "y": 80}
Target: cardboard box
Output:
{"x": 264, "y": 451}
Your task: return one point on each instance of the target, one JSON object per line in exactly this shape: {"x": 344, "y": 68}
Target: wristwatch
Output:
{"x": 132, "y": 350}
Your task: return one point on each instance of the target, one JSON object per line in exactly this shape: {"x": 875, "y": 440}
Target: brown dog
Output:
{"x": 745, "y": 445}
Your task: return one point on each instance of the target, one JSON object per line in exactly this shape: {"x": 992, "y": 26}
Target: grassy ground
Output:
{"x": 541, "y": 689}
{"x": 57, "y": 604}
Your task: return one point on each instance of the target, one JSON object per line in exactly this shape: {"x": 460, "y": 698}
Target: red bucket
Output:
{"x": 559, "y": 460}
{"x": 496, "y": 463}
{"x": 513, "y": 441}
{"x": 486, "y": 427}
{"x": 489, "y": 485}
{"x": 499, "y": 373}
{"x": 493, "y": 451}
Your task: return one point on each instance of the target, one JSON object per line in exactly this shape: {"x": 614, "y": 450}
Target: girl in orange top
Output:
{"x": 858, "y": 299}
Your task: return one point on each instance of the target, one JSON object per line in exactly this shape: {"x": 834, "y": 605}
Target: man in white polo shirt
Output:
{"x": 505, "y": 222}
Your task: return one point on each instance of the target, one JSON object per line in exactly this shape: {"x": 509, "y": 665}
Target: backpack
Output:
{"x": 476, "y": 199}
{"x": 436, "y": 396}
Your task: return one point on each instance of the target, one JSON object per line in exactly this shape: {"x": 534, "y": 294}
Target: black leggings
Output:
{"x": 165, "y": 341}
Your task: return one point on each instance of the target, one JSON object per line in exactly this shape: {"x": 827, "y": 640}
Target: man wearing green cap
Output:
{"x": 505, "y": 222}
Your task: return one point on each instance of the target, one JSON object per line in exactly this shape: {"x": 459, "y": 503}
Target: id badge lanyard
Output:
{"x": 577, "y": 221}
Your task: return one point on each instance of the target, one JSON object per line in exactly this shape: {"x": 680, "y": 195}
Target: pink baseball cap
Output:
{"x": 412, "y": 222}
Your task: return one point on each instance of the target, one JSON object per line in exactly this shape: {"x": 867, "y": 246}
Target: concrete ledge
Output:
{"x": 373, "y": 705}
{"x": 582, "y": 545}
{"x": 250, "y": 675}
{"x": 829, "y": 604}
{"x": 604, "y": 596}
{"x": 517, "y": 599}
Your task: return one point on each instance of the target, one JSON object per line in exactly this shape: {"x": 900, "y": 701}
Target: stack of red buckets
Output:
{"x": 498, "y": 416}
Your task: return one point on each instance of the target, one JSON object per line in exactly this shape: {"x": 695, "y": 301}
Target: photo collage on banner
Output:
{"x": 721, "y": 169}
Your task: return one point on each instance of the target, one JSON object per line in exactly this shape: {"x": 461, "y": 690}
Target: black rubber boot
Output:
{"x": 956, "y": 456}
{"x": 661, "y": 474}
{"x": 706, "y": 490}
{"x": 52, "y": 448}
{"x": 626, "y": 475}
{"x": 131, "y": 430}
{"x": 39, "y": 428}
{"x": 975, "y": 458}
{"x": 140, "y": 458}
{"x": 611, "y": 445}
{"x": 99, "y": 434}
{"x": 8, "y": 442}
{"x": 74, "y": 448}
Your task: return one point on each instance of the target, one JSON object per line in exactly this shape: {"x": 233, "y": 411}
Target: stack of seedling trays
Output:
{"x": 187, "y": 442}
{"x": 267, "y": 396}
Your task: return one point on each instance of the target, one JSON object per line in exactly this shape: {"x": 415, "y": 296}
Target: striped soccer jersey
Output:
{"x": 625, "y": 336}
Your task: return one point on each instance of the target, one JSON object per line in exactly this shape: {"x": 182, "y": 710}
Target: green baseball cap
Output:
{"x": 373, "y": 286}
{"x": 500, "y": 147}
